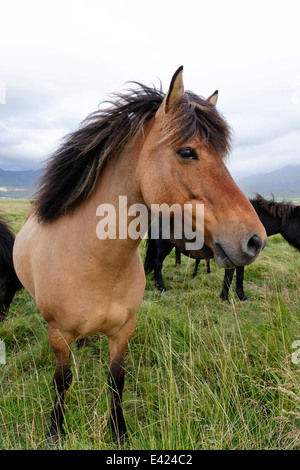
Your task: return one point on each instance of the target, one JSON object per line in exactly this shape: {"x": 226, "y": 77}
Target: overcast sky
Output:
{"x": 59, "y": 59}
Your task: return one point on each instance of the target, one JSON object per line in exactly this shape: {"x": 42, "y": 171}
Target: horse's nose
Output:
{"x": 228, "y": 255}
{"x": 252, "y": 246}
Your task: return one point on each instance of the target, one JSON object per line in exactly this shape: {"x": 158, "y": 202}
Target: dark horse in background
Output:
{"x": 9, "y": 283}
{"x": 178, "y": 261}
{"x": 158, "y": 249}
{"x": 276, "y": 217}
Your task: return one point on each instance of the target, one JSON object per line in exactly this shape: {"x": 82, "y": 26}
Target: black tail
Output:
{"x": 9, "y": 282}
{"x": 150, "y": 254}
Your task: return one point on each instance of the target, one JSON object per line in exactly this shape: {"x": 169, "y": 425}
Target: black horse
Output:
{"x": 9, "y": 283}
{"x": 158, "y": 250}
{"x": 178, "y": 261}
{"x": 277, "y": 217}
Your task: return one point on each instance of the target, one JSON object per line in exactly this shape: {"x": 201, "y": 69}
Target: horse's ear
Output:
{"x": 176, "y": 90}
{"x": 212, "y": 99}
{"x": 175, "y": 93}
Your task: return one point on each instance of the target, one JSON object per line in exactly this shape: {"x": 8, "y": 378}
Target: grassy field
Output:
{"x": 200, "y": 373}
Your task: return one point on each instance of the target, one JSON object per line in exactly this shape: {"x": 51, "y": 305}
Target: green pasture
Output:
{"x": 200, "y": 373}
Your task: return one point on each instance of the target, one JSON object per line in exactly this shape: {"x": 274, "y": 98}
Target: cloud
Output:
{"x": 266, "y": 156}
{"x": 60, "y": 59}
{"x": 25, "y": 149}
{"x": 266, "y": 132}
{"x": 35, "y": 117}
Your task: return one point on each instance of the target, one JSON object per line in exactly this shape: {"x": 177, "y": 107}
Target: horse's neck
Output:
{"x": 118, "y": 183}
{"x": 289, "y": 233}
{"x": 272, "y": 224}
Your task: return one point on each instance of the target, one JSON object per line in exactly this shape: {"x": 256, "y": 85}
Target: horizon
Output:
{"x": 246, "y": 176}
{"x": 281, "y": 184}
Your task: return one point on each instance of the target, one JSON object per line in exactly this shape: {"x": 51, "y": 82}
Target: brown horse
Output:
{"x": 153, "y": 149}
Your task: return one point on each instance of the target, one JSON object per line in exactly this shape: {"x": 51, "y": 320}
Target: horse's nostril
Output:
{"x": 253, "y": 246}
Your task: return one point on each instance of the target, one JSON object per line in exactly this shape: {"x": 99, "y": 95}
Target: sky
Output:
{"x": 59, "y": 59}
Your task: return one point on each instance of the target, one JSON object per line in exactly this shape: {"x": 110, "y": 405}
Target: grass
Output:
{"x": 200, "y": 374}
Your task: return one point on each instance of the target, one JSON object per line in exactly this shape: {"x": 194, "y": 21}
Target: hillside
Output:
{"x": 283, "y": 183}
{"x": 18, "y": 184}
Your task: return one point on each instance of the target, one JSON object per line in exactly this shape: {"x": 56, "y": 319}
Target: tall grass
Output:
{"x": 200, "y": 374}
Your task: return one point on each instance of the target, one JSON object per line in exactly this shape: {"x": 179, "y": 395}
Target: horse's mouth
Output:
{"x": 229, "y": 256}
{"x": 221, "y": 257}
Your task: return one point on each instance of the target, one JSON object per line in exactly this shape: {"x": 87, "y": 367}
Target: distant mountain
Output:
{"x": 18, "y": 184}
{"x": 283, "y": 183}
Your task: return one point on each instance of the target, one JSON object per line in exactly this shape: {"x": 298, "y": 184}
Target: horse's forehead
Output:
{"x": 177, "y": 128}
{"x": 195, "y": 118}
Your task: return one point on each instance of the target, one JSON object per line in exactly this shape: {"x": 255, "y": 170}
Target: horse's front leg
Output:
{"x": 165, "y": 247}
{"x": 117, "y": 348}
{"x": 208, "y": 266}
{"x": 226, "y": 284}
{"x": 60, "y": 345}
{"x": 239, "y": 283}
{"x": 196, "y": 267}
{"x": 177, "y": 257}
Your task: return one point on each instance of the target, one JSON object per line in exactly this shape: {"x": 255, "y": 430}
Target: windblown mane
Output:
{"x": 72, "y": 173}
{"x": 283, "y": 210}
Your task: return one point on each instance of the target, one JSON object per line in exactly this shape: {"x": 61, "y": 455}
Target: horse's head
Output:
{"x": 182, "y": 163}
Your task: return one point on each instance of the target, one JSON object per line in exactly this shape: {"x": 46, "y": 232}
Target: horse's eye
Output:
{"x": 187, "y": 153}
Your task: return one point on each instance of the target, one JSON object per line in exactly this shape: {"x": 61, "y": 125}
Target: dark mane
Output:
{"x": 192, "y": 115}
{"x": 72, "y": 173}
{"x": 283, "y": 210}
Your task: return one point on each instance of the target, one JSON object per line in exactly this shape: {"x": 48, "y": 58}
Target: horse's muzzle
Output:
{"x": 226, "y": 256}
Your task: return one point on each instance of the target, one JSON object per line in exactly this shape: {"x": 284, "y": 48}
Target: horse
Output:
{"x": 157, "y": 249}
{"x": 207, "y": 258}
{"x": 9, "y": 283}
{"x": 149, "y": 148}
{"x": 276, "y": 217}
